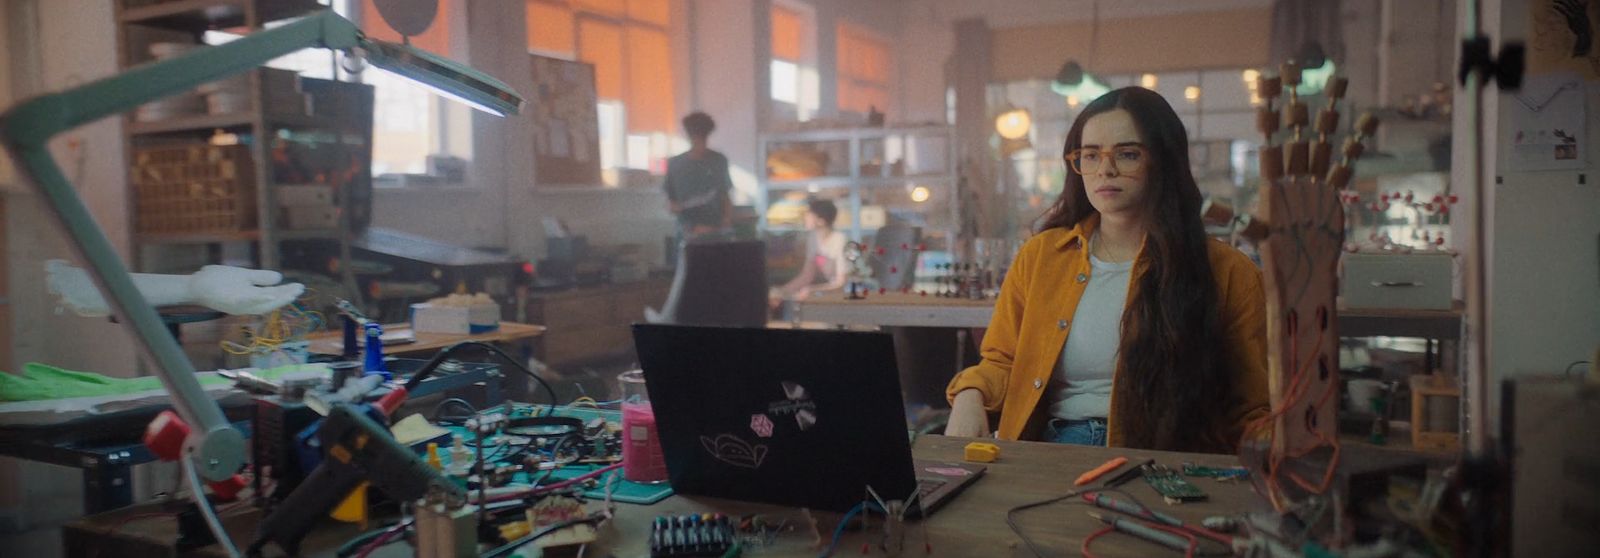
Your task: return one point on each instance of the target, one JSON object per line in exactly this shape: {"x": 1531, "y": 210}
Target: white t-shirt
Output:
{"x": 826, "y": 255}
{"x": 1081, "y": 386}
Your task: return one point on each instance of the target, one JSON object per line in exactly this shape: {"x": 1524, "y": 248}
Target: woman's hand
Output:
{"x": 967, "y": 417}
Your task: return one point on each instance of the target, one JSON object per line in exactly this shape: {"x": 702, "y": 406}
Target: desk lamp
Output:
{"x": 214, "y": 448}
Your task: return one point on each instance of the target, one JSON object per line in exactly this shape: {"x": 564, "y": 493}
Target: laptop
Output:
{"x": 802, "y": 418}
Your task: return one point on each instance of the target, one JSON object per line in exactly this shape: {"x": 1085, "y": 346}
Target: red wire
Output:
{"x": 383, "y": 539}
{"x": 1084, "y": 548}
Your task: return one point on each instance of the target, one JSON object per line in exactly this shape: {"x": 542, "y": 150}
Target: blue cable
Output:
{"x": 839, "y": 531}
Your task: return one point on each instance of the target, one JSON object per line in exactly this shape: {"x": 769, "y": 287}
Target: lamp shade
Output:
{"x": 1070, "y": 74}
{"x": 445, "y": 77}
{"x": 1013, "y": 124}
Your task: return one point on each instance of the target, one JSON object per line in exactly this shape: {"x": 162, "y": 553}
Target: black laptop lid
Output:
{"x": 805, "y": 418}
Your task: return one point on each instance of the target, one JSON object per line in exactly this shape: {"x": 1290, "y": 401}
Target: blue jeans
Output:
{"x": 1088, "y": 432}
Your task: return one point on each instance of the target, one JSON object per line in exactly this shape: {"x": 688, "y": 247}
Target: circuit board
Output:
{"x": 1171, "y": 485}
{"x": 621, "y": 490}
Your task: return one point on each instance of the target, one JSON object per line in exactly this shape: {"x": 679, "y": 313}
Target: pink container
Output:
{"x": 642, "y": 460}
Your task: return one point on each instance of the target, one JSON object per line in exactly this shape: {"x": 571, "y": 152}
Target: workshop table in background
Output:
{"x": 896, "y": 309}
{"x": 971, "y": 524}
{"x": 332, "y": 342}
{"x": 934, "y": 336}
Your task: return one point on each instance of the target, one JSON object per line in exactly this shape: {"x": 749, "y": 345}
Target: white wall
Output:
{"x": 734, "y": 52}
{"x": 69, "y": 42}
{"x": 1544, "y": 284}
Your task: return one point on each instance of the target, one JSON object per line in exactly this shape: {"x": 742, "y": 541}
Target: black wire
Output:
{"x": 536, "y": 535}
{"x": 453, "y": 419}
{"x": 1568, "y": 372}
{"x": 353, "y": 546}
{"x": 1012, "y": 521}
{"x": 428, "y": 368}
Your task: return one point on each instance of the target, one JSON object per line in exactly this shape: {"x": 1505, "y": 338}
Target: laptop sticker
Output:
{"x": 797, "y": 402}
{"x": 733, "y": 450}
{"x": 761, "y": 425}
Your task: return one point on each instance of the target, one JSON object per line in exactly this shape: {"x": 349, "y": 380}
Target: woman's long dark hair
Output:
{"x": 1174, "y": 385}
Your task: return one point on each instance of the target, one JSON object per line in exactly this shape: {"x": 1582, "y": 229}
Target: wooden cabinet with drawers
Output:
{"x": 589, "y": 324}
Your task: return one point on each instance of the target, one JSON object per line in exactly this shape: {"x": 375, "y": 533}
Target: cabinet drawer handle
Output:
{"x": 1397, "y": 283}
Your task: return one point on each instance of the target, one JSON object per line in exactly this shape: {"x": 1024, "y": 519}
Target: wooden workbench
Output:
{"x": 896, "y": 309}
{"x": 332, "y": 342}
{"x": 973, "y": 524}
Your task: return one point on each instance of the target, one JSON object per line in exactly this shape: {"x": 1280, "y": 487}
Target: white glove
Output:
{"x": 228, "y": 289}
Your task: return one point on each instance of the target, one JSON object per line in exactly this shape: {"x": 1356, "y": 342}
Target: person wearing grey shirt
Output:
{"x": 698, "y": 182}
{"x": 1080, "y": 388}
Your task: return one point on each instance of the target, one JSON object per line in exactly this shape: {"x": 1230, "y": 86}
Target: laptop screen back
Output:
{"x": 805, "y": 418}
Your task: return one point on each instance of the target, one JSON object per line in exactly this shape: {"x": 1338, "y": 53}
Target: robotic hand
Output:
{"x": 234, "y": 290}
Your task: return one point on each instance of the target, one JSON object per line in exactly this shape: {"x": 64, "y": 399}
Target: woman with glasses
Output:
{"x": 1121, "y": 323}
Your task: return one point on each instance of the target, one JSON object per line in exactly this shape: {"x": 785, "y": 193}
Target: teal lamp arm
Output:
{"x": 216, "y": 448}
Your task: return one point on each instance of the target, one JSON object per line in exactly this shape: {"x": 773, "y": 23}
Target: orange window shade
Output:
{"x": 650, "y": 101}
{"x": 600, "y": 43}
{"x": 787, "y": 29}
{"x": 550, "y": 28}
{"x": 864, "y": 70}
{"x": 436, "y": 39}
{"x": 616, "y": 8}
{"x": 650, "y": 11}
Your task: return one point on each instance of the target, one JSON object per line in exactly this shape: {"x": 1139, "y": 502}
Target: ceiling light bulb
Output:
{"x": 1148, "y": 81}
{"x": 1072, "y": 101}
{"x": 920, "y": 194}
{"x": 1250, "y": 76}
{"x": 1013, "y": 124}
{"x": 1191, "y": 92}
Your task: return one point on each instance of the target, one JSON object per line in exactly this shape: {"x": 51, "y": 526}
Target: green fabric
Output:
{"x": 40, "y": 382}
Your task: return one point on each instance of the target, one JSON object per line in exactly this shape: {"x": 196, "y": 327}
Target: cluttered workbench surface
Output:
{"x": 974, "y": 523}
{"x": 331, "y": 343}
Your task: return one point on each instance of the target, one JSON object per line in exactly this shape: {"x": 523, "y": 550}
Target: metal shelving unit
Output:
{"x": 867, "y": 168}
{"x": 140, "y": 20}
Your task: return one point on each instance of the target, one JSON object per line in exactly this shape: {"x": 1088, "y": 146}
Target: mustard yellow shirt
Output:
{"x": 1033, "y": 317}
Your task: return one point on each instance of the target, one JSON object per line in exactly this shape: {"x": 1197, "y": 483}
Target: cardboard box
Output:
{"x": 480, "y": 317}
{"x": 305, "y": 195}
{"x": 1420, "y": 281}
{"x": 310, "y": 218}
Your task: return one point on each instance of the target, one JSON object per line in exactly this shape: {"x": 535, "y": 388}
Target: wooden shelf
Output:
{"x": 194, "y": 15}
{"x": 205, "y": 123}
{"x": 204, "y": 238}
{"x": 304, "y": 234}
{"x": 244, "y": 236}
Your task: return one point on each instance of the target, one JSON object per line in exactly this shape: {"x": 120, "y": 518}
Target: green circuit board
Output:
{"x": 1171, "y": 485}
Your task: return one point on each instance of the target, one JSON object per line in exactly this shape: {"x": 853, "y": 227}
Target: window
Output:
{"x": 785, "y": 81}
{"x": 628, "y": 44}
{"x": 864, "y": 70}
{"x": 409, "y": 123}
{"x": 793, "y": 69}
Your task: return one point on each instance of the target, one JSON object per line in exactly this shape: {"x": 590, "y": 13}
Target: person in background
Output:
{"x": 824, "y": 268}
{"x": 698, "y": 183}
{"x": 1121, "y": 323}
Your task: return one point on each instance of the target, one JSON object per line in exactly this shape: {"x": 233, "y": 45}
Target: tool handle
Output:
{"x": 1151, "y": 534}
{"x": 1113, "y": 504}
{"x": 289, "y": 523}
{"x": 1089, "y": 476}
